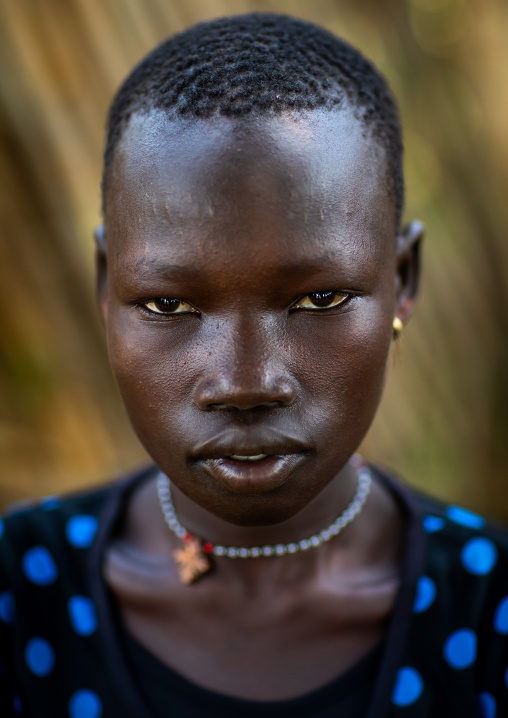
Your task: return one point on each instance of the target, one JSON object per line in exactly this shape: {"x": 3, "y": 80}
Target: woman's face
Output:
{"x": 249, "y": 294}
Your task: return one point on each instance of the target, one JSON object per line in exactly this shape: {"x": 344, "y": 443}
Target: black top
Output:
{"x": 168, "y": 693}
{"x": 445, "y": 654}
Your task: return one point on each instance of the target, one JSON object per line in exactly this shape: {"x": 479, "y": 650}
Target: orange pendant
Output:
{"x": 192, "y": 562}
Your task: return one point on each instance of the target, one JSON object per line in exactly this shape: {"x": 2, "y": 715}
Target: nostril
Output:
{"x": 269, "y": 393}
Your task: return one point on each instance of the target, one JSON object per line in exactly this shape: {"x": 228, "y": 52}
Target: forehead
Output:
{"x": 287, "y": 180}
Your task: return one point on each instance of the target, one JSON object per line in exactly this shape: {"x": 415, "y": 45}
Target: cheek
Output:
{"x": 152, "y": 372}
{"x": 343, "y": 366}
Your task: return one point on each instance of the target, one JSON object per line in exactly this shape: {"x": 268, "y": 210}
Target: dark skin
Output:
{"x": 249, "y": 274}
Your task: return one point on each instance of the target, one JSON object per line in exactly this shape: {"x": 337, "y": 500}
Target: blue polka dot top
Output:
{"x": 62, "y": 653}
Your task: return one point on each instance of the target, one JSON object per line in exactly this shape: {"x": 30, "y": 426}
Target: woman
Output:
{"x": 252, "y": 273}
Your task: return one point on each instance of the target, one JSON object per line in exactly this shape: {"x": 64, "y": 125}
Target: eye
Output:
{"x": 167, "y": 307}
{"x": 321, "y": 300}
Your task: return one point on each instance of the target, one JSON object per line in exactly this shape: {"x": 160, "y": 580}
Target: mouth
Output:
{"x": 252, "y": 474}
{"x": 257, "y": 457}
{"x": 251, "y": 463}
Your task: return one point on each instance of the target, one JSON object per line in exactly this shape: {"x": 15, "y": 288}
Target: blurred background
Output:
{"x": 444, "y": 419}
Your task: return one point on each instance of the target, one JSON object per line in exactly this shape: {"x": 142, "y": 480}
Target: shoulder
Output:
{"x": 463, "y": 551}
{"x": 457, "y": 540}
{"x": 35, "y": 538}
{"x": 467, "y": 560}
{"x": 51, "y": 597}
{"x": 462, "y": 561}
{"x": 481, "y": 545}
{"x": 460, "y": 608}
{"x": 448, "y": 526}
{"x": 455, "y": 653}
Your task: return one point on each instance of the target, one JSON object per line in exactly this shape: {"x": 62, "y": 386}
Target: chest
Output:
{"x": 260, "y": 647}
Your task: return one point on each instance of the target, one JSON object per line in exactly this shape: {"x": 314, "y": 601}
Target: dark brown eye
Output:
{"x": 321, "y": 300}
{"x": 168, "y": 306}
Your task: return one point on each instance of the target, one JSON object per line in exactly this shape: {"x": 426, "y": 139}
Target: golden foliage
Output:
{"x": 443, "y": 423}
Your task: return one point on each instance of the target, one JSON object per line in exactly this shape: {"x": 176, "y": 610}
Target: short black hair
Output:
{"x": 259, "y": 63}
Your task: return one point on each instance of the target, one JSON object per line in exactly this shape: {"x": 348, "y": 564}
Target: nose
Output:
{"x": 245, "y": 370}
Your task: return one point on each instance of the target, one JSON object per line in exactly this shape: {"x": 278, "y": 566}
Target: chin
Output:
{"x": 260, "y": 510}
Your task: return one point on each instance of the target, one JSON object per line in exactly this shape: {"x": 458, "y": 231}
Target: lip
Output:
{"x": 284, "y": 452}
{"x": 249, "y": 441}
{"x": 245, "y": 477}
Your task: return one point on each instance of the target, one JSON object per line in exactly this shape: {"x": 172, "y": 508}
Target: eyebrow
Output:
{"x": 151, "y": 267}
{"x": 307, "y": 265}
{"x": 162, "y": 269}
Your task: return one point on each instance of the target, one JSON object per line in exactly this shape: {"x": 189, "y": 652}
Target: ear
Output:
{"x": 101, "y": 270}
{"x": 408, "y": 269}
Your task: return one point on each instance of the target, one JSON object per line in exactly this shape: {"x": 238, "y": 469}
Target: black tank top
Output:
{"x": 169, "y": 694}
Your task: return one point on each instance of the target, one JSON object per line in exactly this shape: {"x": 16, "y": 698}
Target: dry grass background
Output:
{"x": 443, "y": 423}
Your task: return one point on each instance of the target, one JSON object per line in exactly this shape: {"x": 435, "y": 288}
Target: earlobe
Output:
{"x": 99, "y": 236}
{"x": 101, "y": 270}
{"x": 408, "y": 269}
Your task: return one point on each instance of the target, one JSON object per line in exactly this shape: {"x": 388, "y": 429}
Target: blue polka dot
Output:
{"x": 85, "y": 704}
{"x": 479, "y": 556}
{"x": 39, "y": 656}
{"x": 50, "y": 502}
{"x": 7, "y": 607}
{"x": 82, "y": 614}
{"x": 431, "y": 524}
{"x": 501, "y": 617}
{"x": 464, "y": 517}
{"x": 425, "y": 594}
{"x": 487, "y": 705}
{"x": 39, "y": 566}
{"x": 81, "y": 530}
{"x": 17, "y": 704}
{"x": 408, "y": 687}
{"x": 460, "y": 648}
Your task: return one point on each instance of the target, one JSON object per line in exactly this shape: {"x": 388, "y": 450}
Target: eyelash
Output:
{"x": 323, "y": 295}
{"x": 162, "y": 315}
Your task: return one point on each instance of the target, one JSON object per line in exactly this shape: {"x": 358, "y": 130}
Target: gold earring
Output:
{"x": 398, "y": 327}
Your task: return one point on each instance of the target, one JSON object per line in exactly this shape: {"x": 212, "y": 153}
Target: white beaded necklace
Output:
{"x": 192, "y": 559}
